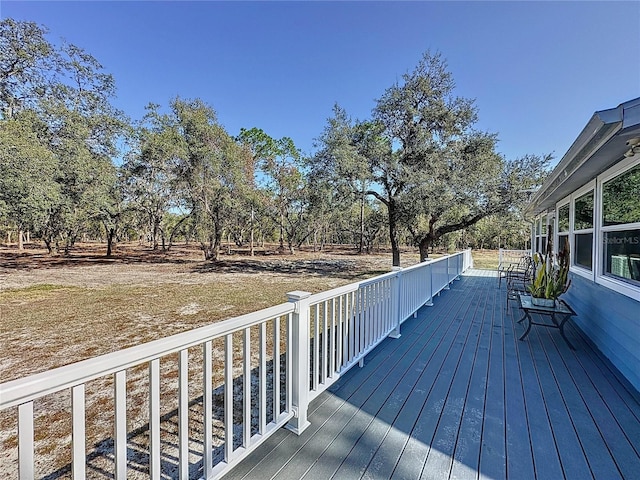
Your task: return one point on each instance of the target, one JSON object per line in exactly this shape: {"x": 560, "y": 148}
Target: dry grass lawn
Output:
{"x": 58, "y": 310}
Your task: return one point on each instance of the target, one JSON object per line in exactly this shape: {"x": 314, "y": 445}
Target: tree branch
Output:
{"x": 378, "y": 196}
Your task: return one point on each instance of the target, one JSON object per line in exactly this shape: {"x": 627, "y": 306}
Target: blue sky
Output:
{"x": 538, "y": 70}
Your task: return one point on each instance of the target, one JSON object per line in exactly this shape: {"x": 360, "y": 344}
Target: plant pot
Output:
{"x": 543, "y": 302}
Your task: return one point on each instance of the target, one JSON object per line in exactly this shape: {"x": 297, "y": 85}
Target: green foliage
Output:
{"x": 27, "y": 173}
{"x": 25, "y": 59}
{"x": 506, "y": 230}
{"x": 421, "y": 157}
{"x": 150, "y": 170}
{"x": 284, "y": 184}
{"x": 417, "y": 168}
{"x": 213, "y": 172}
{"x": 59, "y": 134}
{"x": 620, "y": 198}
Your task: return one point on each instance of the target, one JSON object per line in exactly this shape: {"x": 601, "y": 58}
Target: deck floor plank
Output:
{"x": 436, "y": 382}
{"x": 326, "y": 435}
{"x": 545, "y": 453}
{"x": 444, "y": 442}
{"x": 365, "y": 447}
{"x": 493, "y": 462}
{"x": 519, "y": 452}
{"x": 572, "y": 457}
{"x": 592, "y": 445}
{"x": 622, "y": 452}
{"x": 467, "y": 453}
{"x": 458, "y": 396}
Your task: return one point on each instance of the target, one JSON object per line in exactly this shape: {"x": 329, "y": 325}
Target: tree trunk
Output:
{"x": 20, "y": 240}
{"x": 52, "y": 245}
{"x": 361, "y": 246}
{"x": 251, "y": 249}
{"x": 111, "y": 233}
{"x": 216, "y": 246}
{"x": 424, "y": 246}
{"x": 281, "y": 248}
{"x": 393, "y": 234}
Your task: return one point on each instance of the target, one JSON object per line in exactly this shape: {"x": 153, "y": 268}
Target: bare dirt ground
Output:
{"x": 67, "y": 308}
{"x": 59, "y": 310}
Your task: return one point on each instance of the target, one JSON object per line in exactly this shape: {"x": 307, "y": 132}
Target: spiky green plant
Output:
{"x": 550, "y": 277}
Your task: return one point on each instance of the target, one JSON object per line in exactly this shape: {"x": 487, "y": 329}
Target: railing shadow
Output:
{"x": 100, "y": 461}
{"x": 337, "y": 268}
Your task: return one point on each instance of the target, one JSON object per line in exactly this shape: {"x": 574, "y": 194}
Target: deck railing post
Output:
{"x": 300, "y": 360}
{"x": 429, "y": 266}
{"x": 396, "y": 292}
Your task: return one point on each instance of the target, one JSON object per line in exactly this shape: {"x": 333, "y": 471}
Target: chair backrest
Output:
{"x": 511, "y": 256}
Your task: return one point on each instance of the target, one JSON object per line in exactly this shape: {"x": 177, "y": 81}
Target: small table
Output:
{"x": 560, "y": 309}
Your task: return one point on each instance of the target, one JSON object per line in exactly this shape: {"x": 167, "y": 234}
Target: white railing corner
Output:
{"x": 300, "y": 360}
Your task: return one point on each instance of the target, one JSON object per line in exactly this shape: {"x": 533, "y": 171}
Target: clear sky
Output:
{"x": 538, "y": 70}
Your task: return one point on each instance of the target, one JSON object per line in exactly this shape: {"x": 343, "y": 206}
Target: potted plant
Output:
{"x": 550, "y": 278}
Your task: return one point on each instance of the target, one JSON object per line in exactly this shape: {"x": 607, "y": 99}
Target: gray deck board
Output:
{"x": 458, "y": 396}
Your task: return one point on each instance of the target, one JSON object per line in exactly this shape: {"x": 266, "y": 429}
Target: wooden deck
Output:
{"x": 458, "y": 396}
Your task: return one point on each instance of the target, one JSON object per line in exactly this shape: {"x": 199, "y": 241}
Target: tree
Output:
{"x": 280, "y": 164}
{"x": 82, "y": 131}
{"x": 28, "y": 189}
{"x": 214, "y": 171}
{"x": 151, "y": 169}
{"x": 428, "y": 166}
{"x": 340, "y": 162}
{"x": 26, "y": 58}
{"x": 62, "y": 97}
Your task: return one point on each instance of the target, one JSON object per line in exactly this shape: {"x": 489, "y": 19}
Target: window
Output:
{"x": 563, "y": 219}
{"x": 583, "y": 213}
{"x": 583, "y": 250}
{"x": 621, "y": 226}
{"x": 601, "y": 224}
{"x": 563, "y": 228}
{"x": 620, "y": 196}
{"x": 541, "y": 234}
{"x": 622, "y": 255}
{"x": 583, "y": 231}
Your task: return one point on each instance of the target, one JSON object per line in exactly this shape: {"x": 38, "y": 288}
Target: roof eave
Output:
{"x": 584, "y": 160}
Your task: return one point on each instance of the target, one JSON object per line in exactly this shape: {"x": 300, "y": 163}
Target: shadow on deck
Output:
{"x": 458, "y": 396}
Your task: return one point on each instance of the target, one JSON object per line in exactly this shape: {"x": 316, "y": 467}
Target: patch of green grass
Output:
{"x": 42, "y": 287}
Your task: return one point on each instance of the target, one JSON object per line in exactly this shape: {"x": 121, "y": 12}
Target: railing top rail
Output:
{"x": 21, "y": 390}
{"x": 352, "y": 287}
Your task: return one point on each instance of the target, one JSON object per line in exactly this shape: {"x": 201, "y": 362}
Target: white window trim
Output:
{"x": 577, "y": 269}
{"x": 559, "y": 205}
{"x": 557, "y": 232}
{"x": 612, "y": 283}
{"x": 547, "y": 215}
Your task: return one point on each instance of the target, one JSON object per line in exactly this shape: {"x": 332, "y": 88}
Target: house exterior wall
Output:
{"x": 590, "y": 205}
{"x": 611, "y": 321}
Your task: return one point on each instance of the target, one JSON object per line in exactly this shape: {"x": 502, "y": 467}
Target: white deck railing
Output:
{"x": 303, "y": 346}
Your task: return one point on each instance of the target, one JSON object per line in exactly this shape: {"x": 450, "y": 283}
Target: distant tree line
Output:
{"x": 73, "y": 167}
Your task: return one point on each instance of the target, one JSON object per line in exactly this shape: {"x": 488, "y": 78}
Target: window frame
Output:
{"x": 601, "y": 278}
{"x": 558, "y": 233}
{"x": 540, "y": 233}
{"x": 574, "y": 267}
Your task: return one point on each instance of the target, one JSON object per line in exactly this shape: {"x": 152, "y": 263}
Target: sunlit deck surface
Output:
{"x": 459, "y": 396}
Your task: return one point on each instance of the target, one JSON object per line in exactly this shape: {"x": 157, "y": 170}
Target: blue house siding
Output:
{"x": 611, "y": 321}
